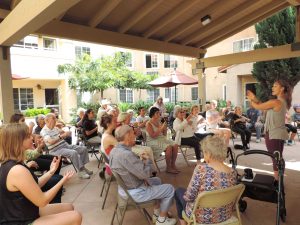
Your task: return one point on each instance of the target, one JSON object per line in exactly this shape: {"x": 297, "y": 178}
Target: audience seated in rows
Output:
{"x": 136, "y": 175}
{"x": 208, "y": 176}
{"x": 292, "y": 130}
{"x": 156, "y": 139}
{"x": 54, "y": 140}
{"x": 20, "y": 191}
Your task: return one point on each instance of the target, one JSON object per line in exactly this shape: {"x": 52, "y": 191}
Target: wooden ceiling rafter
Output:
{"x": 191, "y": 22}
{"x": 4, "y": 13}
{"x": 169, "y": 17}
{"x": 140, "y": 13}
{"x": 14, "y": 3}
{"x": 103, "y": 12}
{"x": 238, "y": 12}
{"x": 240, "y": 25}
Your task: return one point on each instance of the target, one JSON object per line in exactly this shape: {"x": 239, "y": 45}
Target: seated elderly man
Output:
{"x": 136, "y": 175}
{"x": 54, "y": 138}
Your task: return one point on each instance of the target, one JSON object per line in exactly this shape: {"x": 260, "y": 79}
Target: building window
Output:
{"x": 23, "y": 98}
{"x": 126, "y": 95}
{"x": 128, "y": 58}
{"x": 170, "y": 94}
{"x": 152, "y": 73}
{"x": 243, "y": 45}
{"x": 224, "y": 91}
{"x": 51, "y": 96}
{"x": 49, "y": 44}
{"x": 152, "y": 95}
{"x": 170, "y": 61}
{"x": 28, "y": 42}
{"x": 248, "y": 87}
{"x": 80, "y": 51}
{"x": 151, "y": 61}
{"x": 194, "y": 93}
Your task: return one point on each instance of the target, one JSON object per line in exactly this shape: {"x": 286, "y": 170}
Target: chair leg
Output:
{"x": 102, "y": 189}
{"x": 183, "y": 154}
{"x": 148, "y": 217}
{"x": 100, "y": 161}
{"x": 74, "y": 166}
{"x": 115, "y": 212}
{"x": 106, "y": 192}
{"x": 156, "y": 166}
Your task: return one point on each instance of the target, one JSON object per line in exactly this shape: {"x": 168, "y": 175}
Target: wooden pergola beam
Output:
{"x": 14, "y": 3}
{"x": 239, "y": 12}
{"x": 138, "y": 15}
{"x": 88, "y": 34}
{"x": 294, "y": 2}
{"x": 28, "y": 16}
{"x": 194, "y": 20}
{"x": 241, "y": 28}
{"x": 169, "y": 17}
{"x": 258, "y": 55}
{"x": 4, "y": 13}
{"x": 260, "y": 14}
{"x": 103, "y": 12}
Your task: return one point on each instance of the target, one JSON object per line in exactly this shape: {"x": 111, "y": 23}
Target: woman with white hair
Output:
{"x": 213, "y": 119}
{"x": 208, "y": 176}
{"x": 160, "y": 105}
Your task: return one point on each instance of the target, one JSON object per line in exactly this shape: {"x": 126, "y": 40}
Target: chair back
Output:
{"x": 121, "y": 183}
{"x": 103, "y": 154}
{"x": 218, "y": 198}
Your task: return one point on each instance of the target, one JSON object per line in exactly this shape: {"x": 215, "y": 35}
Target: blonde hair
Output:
{"x": 215, "y": 146}
{"x": 12, "y": 136}
{"x": 193, "y": 107}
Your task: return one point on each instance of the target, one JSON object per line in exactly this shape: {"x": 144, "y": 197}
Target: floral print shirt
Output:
{"x": 205, "y": 178}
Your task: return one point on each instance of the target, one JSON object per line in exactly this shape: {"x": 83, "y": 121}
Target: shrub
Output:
{"x": 35, "y": 111}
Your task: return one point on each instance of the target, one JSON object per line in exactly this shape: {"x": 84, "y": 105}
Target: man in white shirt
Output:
{"x": 54, "y": 139}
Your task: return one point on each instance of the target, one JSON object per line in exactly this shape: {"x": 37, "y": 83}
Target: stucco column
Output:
{"x": 202, "y": 85}
{"x": 68, "y": 100}
{"x": 6, "y": 90}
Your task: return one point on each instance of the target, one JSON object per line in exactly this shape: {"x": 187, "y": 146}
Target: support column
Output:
{"x": 297, "y": 23}
{"x": 6, "y": 89}
{"x": 201, "y": 84}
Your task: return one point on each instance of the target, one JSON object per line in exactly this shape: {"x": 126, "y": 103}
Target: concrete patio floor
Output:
{"x": 85, "y": 194}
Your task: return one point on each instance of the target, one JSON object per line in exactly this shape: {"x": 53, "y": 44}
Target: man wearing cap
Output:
{"x": 136, "y": 175}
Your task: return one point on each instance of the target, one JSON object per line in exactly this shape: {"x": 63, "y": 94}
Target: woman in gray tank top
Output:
{"x": 275, "y": 130}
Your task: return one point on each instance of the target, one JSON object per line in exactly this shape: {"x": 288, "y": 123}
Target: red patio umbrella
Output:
{"x": 18, "y": 77}
{"x": 173, "y": 79}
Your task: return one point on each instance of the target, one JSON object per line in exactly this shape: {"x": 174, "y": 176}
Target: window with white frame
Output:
{"x": 170, "y": 94}
{"x": 81, "y": 50}
{"x": 194, "y": 93}
{"x": 49, "y": 44}
{"x": 243, "y": 45}
{"x": 170, "y": 61}
{"x": 23, "y": 98}
{"x": 28, "y": 42}
{"x": 248, "y": 87}
{"x": 126, "y": 95}
{"x": 151, "y": 60}
{"x": 153, "y": 94}
{"x": 224, "y": 91}
{"x": 128, "y": 58}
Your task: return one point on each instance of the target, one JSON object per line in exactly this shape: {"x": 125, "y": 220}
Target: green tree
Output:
{"x": 274, "y": 31}
{"x": 88, "y": 75}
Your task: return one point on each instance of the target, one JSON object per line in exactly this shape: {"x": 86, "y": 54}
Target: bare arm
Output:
{"x": 151, "y": 132}
{"x": 20, "y": 179}
{"x": 274, "y": 104}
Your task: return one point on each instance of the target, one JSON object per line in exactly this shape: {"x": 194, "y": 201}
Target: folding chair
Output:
{"x": 160, "y": 158}
{"x": 93, "y": 147}
{"x": 108, "y": 178}
{"x": 183, "y": 150}
{"x": 128, "y": 203}
{"x": 217, "y": 199}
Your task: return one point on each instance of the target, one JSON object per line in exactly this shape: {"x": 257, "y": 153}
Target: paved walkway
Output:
{"x": 84, "y": 194}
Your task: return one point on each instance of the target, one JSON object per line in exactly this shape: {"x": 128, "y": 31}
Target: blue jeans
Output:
{"x": 161, "y": 192}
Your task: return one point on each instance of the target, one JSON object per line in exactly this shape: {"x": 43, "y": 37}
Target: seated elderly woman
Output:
{"x": 213, "y": 119}
{"x": 238, "y": 125}
{"x": 40, "y": 123}
{"x": 183, "y": 127}
{"x": 208, "y": 176}
{"x": 156, "y": 139}
{"x": 21, "y": 198}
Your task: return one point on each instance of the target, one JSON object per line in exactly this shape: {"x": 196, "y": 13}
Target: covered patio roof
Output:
{"x": 178, "y": 27}
{"x": 172, "y": 26}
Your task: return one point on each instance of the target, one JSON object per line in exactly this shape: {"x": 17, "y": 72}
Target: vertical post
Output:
{"x": 6, "y": 89}
{"x": 297, "y": 38}
{"x": 201, "y": 83}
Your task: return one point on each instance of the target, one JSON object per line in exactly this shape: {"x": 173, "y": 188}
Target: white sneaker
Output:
{"x": 89, "y": 172}
{"x": 83, "y": 175}
{"x": 257, "y": 140}
{"x": 168, "y": 221}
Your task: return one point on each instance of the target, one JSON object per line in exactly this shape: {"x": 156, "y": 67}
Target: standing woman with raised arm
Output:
{"x": 22, "y": 201}
{"x": 275, "y": 130}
